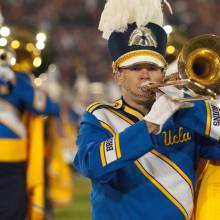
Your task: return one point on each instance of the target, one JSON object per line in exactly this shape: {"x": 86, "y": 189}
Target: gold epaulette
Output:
{"x": 93, "y": 106}
{"x": 116, "y": 105}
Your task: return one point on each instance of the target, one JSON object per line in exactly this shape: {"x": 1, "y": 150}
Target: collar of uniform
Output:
{"x": 121, "y": 104}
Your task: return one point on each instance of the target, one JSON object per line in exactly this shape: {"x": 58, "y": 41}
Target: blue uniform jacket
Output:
{"x": 136, "y": 175}
{"x": 24, "y": 97}
{"x": 204, "y": 118}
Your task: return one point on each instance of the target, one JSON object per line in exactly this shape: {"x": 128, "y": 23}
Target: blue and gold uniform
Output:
{"x": 135, "y": 174}
{"x": 132, "y": 171}
{"x": 14, "y": 135}
{"x": 204, "y": 118}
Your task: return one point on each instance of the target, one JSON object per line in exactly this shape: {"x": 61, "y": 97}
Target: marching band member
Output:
{"x": 18, "y": 158}
{"x": 141, "y": 163}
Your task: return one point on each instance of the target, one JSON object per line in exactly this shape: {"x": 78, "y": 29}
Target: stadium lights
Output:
{"x": 15, "y": 44}
{"x": 3, "y": 42}
{"x": 37, "y": 62}
{"x": 29, "y": 47}
{"x": 168, "y": 29}
{"x": 40, "y": 45}
{"x": 5, "y": 31}
{"x": 41, "y": 37}
{"x": 171, "y": 49}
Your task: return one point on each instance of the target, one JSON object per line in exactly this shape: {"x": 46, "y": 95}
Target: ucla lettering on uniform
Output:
{"x": 216, "y": 115}
{"x": 179, "y": 138}
{"x": 109, "y": 145}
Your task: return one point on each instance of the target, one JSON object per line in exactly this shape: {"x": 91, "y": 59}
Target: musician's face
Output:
{"x": 130, "y": 80}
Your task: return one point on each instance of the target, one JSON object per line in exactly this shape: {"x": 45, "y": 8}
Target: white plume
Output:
{"x": 117, "y": 14}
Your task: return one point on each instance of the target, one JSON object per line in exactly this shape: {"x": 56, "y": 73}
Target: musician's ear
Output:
{"x": 118, "y": 76}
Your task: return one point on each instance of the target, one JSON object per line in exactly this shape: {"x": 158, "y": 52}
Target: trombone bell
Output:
{"x": 198, "y": 69}
{"x": 199, "y": 61}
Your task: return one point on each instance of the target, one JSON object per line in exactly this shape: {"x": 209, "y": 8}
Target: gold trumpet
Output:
{"x": 198, "y": 69}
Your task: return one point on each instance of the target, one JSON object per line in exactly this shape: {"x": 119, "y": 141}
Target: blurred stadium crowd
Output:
{"x": 75, "y": 44}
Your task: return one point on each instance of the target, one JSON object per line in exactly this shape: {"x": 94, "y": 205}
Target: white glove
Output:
{"x": 172, "y": 92}
{"x": 163, "y": 109}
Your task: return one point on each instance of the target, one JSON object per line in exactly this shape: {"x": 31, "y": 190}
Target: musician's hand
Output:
{"x": 172, "y": 92}
{"x": 163, "y": 108}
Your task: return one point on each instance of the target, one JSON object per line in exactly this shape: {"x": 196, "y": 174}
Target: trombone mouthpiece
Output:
{"x": 152, "y": 85}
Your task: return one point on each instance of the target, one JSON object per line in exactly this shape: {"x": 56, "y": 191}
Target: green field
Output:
{"x": 80, "y": 207}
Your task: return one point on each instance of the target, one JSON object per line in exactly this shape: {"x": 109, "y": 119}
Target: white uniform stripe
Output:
{"x": 114, "y": 121}
{"x": 159, "y": 169}
{"x": 174, "y": 183}
{"x": 10, "y": 118}
{"x": 110, "y": 151}
{"x": 215, "y": 122}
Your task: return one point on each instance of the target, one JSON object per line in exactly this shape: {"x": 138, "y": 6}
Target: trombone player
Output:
{"x": 202, "y": 63}
{"x": 137, "y": 157}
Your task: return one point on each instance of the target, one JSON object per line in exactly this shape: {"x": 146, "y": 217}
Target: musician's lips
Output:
{"x": 143, "y": 85}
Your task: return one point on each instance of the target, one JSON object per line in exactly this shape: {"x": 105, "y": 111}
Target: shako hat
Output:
{"x": 134, "y": 32}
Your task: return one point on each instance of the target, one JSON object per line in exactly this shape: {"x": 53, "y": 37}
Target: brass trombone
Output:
{"x": 198, "y": 69}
